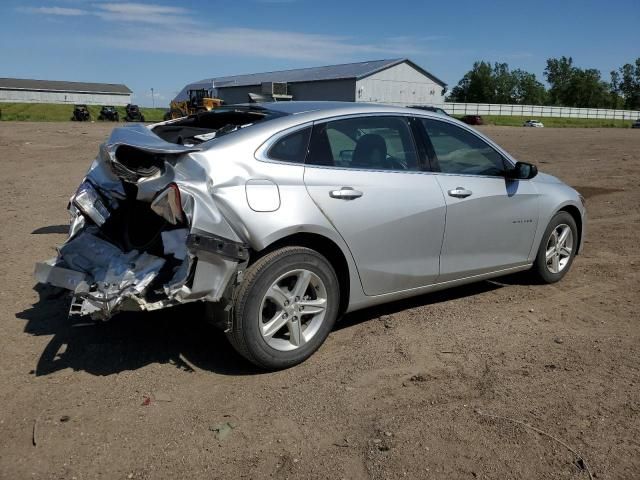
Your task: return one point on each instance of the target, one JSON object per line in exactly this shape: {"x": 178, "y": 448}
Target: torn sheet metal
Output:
{"x": 111, "y": 275}
{"x": 47, "y": 272}
{"x": 77, "y": 222}
{"x": 104, "y": 279}
{"x": 139, "y": 136}
{"x": 199, "y": 241}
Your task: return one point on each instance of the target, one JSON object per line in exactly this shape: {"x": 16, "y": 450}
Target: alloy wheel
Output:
{"x": 293, "y": 309}
{"x": 559, "y": 248}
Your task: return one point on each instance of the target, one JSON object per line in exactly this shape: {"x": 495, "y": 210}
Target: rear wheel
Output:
{"x": 557, "y": 248}
{"x": 285, "y": 308}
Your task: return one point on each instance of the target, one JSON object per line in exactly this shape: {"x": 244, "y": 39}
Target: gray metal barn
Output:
{"x": 21, "y": 90}
{"x": 396, "y": 82}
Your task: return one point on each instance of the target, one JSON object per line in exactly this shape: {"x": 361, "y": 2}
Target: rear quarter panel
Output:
{"x": 231, "y": 165}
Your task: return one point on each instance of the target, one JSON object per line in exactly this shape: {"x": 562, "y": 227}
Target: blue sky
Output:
{"x": 165, "y": 45}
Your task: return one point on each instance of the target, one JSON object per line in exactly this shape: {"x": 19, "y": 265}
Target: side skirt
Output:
{"x": 365, "y": 302}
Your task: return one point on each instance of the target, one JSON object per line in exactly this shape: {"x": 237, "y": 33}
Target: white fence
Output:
{"x": 534, "y": 111}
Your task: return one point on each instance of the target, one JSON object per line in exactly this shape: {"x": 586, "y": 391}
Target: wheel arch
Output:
{"x": 324, "y": 246}
{"x": 577, "y": 217}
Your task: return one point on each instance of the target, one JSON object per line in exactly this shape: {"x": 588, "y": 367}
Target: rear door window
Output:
{"x": 370, "y": 142}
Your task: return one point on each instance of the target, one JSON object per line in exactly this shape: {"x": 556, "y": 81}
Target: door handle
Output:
{"x": 459, "y": 192}
{"x": 345, "y": 193}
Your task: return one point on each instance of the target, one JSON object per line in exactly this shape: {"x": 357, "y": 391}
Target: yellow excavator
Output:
{"x": 199, "y": 101}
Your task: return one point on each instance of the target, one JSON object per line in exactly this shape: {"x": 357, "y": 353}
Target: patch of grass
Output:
{"x": 52, "y": 112}
{"x": 503, "y": 120}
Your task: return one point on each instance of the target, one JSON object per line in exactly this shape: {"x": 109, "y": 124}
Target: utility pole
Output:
{"x": 153, "y": 100}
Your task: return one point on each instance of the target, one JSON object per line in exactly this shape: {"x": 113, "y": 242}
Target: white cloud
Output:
{"x": 257, "y": 43}
{"x": 141, "y": 9}
{"x": 142, "y": 13}
{"x": 59, "y": 11}
{"x": 121, "y": 12}
{"x": 182, "y": 32}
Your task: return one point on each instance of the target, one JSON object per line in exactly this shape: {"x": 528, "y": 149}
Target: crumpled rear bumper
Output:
{"x": 100, "y": 274}
{"x": 105, "y": 280}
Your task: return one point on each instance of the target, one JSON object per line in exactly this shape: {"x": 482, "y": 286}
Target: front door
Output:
{"x": 491, "y": 220}
{"x": 365, "y": 176}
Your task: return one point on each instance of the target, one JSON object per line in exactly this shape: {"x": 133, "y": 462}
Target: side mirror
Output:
{"x": 522, "y": 171}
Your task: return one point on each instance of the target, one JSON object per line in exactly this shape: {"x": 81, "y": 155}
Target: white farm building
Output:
{"x": 20, "y": 90}
{"x": 396, "y": 82}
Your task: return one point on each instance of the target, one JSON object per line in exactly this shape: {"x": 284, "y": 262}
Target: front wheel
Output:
{"x": 285, "y": 308}
{"x": 557, "y": 248}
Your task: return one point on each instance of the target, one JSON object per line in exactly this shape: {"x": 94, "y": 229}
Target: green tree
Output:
{"x": 571, "y": 86}
{"x": 497, "y": 84}
{"x": 629, "y": 85}
{"x": 504, "y": 84}
{"x": 586, "y": 89}
{"x": 528, "y": 90}
{"x": 616, "y": 99}
{"x": 477, "y": 85}
{"x": 558, "y": 73}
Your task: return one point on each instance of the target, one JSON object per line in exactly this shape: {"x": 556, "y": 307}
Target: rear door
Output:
{"x": 491, "y": 220}
{"x": 365, "y": 175}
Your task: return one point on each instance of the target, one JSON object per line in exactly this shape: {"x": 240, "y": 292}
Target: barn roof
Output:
{"x": 59, "y": 86}
{"x": 357, "y": 71}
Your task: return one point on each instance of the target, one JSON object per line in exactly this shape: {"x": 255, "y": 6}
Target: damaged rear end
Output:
{"x": 145, "y": 231}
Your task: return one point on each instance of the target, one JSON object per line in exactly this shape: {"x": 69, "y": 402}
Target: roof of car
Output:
{"x": 293, "y": 108}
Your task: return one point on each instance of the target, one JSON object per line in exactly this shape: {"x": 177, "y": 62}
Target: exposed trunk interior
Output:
{"x": 205, "y": 126}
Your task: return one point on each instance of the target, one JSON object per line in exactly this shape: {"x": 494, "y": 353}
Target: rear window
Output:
{"x": 291, "y": 148}
{"x": 206, "y": 126}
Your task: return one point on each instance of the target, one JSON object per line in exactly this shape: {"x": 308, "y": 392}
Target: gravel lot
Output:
{"x": 396, "y": 392}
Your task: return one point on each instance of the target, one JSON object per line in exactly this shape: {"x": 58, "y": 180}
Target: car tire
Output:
{"x": 553, "y": 261}
{"x": 258, "y": 308}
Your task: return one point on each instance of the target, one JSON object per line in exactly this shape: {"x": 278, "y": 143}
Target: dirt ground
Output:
{"x": 400, "y": 391}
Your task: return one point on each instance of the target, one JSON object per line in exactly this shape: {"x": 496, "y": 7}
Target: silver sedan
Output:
{"x": 281, "y": 217}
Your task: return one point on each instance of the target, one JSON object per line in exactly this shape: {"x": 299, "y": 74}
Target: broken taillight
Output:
{"x": 89, "y": 202}
{"x": 167, "y": 204}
